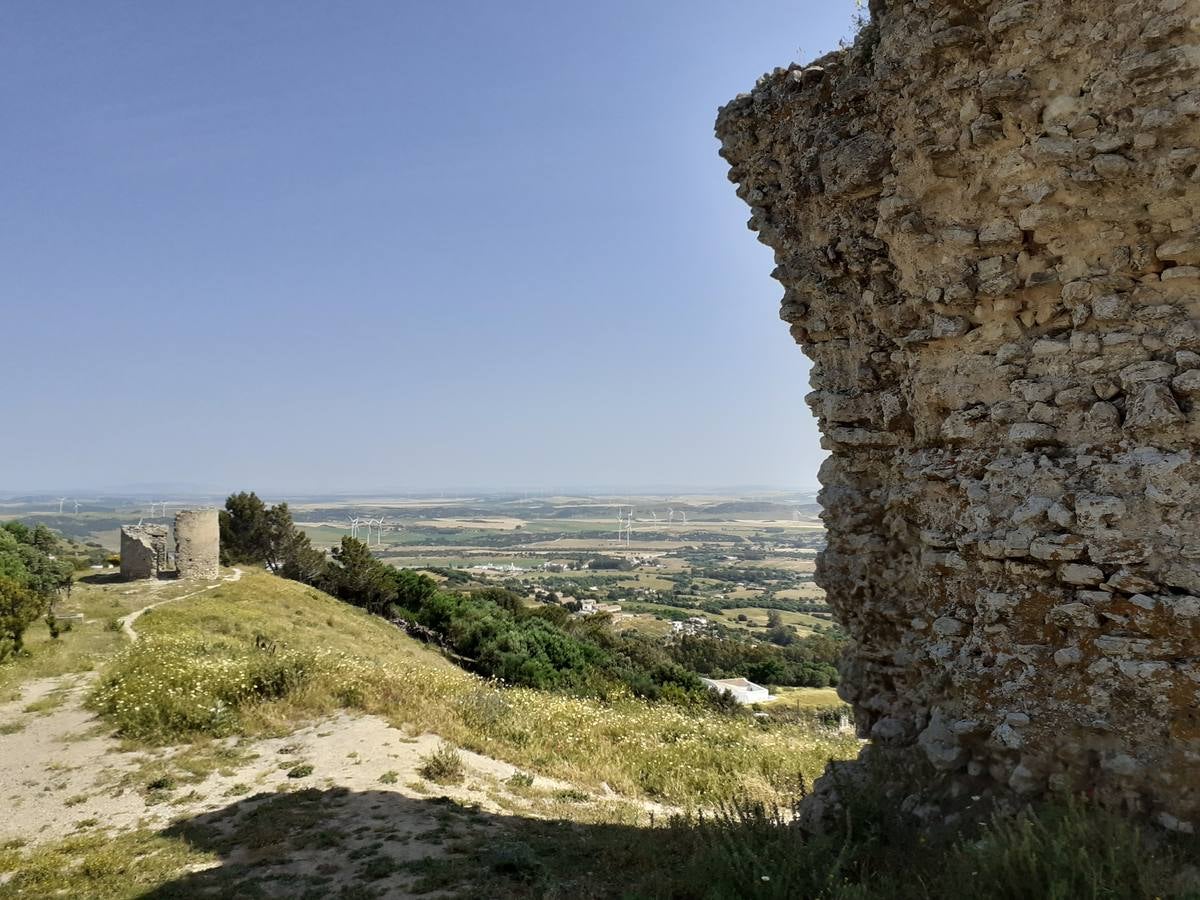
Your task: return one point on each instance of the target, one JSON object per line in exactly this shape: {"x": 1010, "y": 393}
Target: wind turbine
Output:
{"x": 620, "y": 525}
{"x": 76, "y": 507}
{"x": 654, "y": 516}
{"x": 670, "y": 516}
{"x": 61, "y": 501}
{"x": 629, "y": 527}
{"x": 353, "y": 523}
{"x": 683, "y": 515}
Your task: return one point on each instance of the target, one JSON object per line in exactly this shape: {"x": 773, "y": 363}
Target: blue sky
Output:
{"x": 315, "y": 246}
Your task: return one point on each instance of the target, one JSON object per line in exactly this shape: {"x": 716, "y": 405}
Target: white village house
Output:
{"x": 743, "y": 690}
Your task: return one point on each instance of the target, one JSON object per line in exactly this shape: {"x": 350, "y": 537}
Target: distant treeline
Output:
{"x": 805, "y": 662}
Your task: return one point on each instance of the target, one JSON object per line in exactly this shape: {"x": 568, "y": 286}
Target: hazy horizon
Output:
{"x": 393, "y": 244}
{"x": 156, "y": 490}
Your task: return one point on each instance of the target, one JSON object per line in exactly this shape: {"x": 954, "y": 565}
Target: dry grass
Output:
{"x": 88, "y": 643}
{"x": 806, "y": 698}
{"x": 97, "y": 866}
{"x": 196, "y": 672}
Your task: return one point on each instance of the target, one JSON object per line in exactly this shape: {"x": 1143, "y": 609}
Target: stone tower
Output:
{"x": 197, "y": 543}
{"x": 986, "y": 220}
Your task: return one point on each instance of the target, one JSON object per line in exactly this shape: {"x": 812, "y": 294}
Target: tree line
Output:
{"x": 805, "y": 662}
{"x": 490, "y": 630}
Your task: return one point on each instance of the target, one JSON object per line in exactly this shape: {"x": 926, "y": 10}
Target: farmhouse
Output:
{"x": 743, "y": 690}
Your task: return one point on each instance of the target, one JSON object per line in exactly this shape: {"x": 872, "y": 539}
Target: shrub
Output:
{"x": 515, "y": 859}
{"x": 444, "y": 765}
{"x": 19, "y": 607}
{"x": 165, "y": 687}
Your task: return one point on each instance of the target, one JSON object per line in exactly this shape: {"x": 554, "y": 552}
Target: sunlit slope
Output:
{"x": 261, "y": 654}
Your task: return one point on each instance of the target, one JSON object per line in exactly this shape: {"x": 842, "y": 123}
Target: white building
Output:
{"x": 742, "y": 690}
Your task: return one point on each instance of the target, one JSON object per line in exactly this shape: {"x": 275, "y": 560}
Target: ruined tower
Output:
{"x": 143, "y": 551}
{"x": 197, "y": 543}
{"x": 985, "y": 220}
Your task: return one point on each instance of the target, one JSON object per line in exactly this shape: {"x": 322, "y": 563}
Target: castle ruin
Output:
{"x": 984, "y": 218}
{"x": 197, "y": 543}
{"x": 144, "y": 552}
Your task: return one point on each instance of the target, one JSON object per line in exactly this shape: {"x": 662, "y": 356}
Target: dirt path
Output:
{"x": 127, "y": 621}
{"x": 65, "y": 774}
{"x": 63, "y": 770}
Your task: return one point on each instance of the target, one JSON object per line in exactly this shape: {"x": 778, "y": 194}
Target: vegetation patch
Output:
{"x": 197, "y": 671}
{"x": 444, "y": 765}
{"x": 96, "y": 865}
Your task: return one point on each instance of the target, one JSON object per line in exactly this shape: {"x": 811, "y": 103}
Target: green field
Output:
{"x": 769, "y": 539}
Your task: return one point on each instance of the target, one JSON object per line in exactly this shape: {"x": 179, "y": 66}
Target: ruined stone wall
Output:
{"x": 985, "y": 222}
{"x": 197, "y": 543}
{"x": 143, "y": 551}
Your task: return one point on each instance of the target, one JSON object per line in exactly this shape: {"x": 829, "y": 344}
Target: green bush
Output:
{"x": 19, "y": 607}
{"x": 444, "y": 765}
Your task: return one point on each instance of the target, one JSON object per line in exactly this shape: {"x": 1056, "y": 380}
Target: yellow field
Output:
{"x": 805, "y": 592}
{"x": 756, "y": 616}
{"x": 644, "y": 623}
{"x": 807, "y": 698}
{"x": 799, "y": 564}
{"x": 646, "y": 581}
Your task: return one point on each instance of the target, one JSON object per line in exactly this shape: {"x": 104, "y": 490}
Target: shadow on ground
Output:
{"x": 101, "y": 578}
{"x": 339, "y": 843}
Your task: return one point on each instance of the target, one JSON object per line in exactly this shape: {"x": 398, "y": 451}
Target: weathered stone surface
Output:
{"x": 197, "y": 543}
{"x": 986, "y": 212}
{"x": 143, "y": 551}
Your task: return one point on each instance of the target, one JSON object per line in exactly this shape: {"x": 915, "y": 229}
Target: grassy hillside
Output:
{"x": 102, "y": 600}
{"x": 258, "y": 655}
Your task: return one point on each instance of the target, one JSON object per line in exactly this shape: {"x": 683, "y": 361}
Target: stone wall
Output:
{"x": 143, "y": 551}
{"x": 985, "y": 222}
{"x": 197, "y": 543}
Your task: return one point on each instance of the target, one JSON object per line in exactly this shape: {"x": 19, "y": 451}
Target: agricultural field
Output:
{"x": 661, "y": 559}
